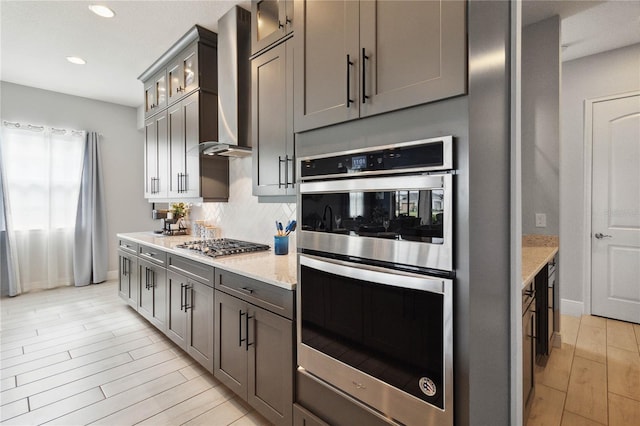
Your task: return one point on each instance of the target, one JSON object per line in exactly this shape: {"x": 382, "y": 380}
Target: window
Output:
{"x": 43, "y": 170}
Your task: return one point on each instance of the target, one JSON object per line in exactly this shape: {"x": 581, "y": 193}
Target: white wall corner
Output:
{"x": 112, "y": 275}
{"x": 571, "y": 307}
{"x": 140, "y": 117}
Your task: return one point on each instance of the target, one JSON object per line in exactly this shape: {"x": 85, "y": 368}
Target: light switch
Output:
{"x": 541, "y": 220}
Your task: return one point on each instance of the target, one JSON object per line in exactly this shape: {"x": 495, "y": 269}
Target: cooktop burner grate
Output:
{"x": 222, "y": 247}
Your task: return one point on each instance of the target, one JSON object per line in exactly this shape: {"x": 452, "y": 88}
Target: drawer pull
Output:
{"x": 246, "y": 290}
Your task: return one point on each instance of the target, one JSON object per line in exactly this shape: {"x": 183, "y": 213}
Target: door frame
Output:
{"x": 588, "y": 186}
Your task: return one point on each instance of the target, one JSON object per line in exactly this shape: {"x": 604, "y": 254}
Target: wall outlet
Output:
{"x": 541, "y": 220}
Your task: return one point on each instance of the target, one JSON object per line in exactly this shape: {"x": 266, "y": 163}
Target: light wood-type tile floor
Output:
{"x": 593, "y": 379}
{"x": 72, "y": 356}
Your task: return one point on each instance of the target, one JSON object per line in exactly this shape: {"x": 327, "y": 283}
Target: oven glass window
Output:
{"x": 391, "y": 333}
{"x": 401, "y": 215}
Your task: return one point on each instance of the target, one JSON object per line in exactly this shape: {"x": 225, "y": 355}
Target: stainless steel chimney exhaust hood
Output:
{"x": 234, "y": 86}
{"x": 223, "y": 149}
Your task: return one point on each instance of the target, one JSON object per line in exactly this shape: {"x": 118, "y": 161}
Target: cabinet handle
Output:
{"x": 280, "y": 25}
{"x": 152, "y": 273}
{"x": 287, "y": 20}
{"x": 240, "y": 339}
{"x": 364, "y": 76}
{"x": 146, "y": 278}
{"x": 187, "y": 287}
{"x": 246, "y": 341}
{"x": 293, "y": 172}
{"x": 349, "y": 64}
{"x": 247, "y": 290}
{"x": 181, "y": 296}
{"x": 184, "y": 184}
{"x": 279, "y": 172}
{"x": 286, "y": 171}
{"x": 127, "y": 266}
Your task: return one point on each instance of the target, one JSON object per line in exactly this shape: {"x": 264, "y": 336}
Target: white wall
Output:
{"x": 607, "y": 73}
{"x": 121, "y": 148}
{"x": 541, "y": 125}
{"x": 243, "y": 217}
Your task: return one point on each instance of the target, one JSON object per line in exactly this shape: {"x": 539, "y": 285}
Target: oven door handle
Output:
{"x": 393, "y": 183}
{"x": 377, "y": 275}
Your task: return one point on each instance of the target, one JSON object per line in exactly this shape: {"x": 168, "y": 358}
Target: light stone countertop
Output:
{"x": 537, "y": 251}
{"x": 265, "y": 266}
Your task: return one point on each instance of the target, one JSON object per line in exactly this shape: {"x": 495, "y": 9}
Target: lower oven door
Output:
{"x": 382, "y": 336}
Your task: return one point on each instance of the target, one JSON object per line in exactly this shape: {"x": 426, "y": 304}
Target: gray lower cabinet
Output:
{"x": 152, "y": 303}
{"x": 357, "y": 59}
{"x": 254, "y": 356}
{"x": 190, "y": 317}
{"x": 128, "y": 278}
{"x": 303, "y": 417}
{"x": 272, "y": 112}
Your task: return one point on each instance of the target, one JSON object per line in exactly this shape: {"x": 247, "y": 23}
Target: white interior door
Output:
{"x": 615, "y": 214}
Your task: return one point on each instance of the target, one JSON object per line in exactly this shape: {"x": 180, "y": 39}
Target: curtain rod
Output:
{"x": 33, "y": 128}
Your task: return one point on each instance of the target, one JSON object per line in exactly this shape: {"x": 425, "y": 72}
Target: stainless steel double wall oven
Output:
{"x": 375, "y": 281}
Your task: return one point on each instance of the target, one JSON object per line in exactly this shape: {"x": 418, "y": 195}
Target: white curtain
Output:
{"x": 42, "y": 169}
{"x": 90, "y": 251}
{"x": 9, "y": 275}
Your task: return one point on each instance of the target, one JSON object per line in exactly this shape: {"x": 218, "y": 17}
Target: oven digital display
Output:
{"x": 359, "y": 162}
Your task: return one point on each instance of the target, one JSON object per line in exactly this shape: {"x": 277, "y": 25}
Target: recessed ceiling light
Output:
{"x": 101, "y": 10}
{"x": 76, "y": 60}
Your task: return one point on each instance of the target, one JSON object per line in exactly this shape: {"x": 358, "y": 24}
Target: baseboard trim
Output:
{"x": 571, "y": 307}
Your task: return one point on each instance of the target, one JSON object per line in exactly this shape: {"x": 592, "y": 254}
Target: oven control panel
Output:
{"x": 430, "y": 155}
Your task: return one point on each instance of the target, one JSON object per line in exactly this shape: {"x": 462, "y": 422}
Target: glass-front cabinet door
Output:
{"x": 189, "y": 64}
{"x": 155, "y": 94}
{"x": 271, "y": 20}
{"x": 182, "y": 73}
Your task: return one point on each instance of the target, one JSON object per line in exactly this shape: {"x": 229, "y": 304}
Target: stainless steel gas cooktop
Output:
{"x": 222, "y": 247}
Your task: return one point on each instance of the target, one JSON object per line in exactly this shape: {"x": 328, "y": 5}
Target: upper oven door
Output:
{"x": 404, "y": 219}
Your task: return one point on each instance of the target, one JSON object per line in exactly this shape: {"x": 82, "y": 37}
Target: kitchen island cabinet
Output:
{"x": 352, "y": 60}
{"x": 153, "y": 293}
{"x": 128, "y": 272}
{"x": 190, "y": 317}
{"x": 190, "y": 308}
{"x": 128, "y": 278}
{"x": 254, "y": 346}
{"x": 244, "y": 328}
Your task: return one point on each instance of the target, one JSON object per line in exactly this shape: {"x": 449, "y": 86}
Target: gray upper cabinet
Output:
{"x": 183, "y": 73}
{"x": 272, "y": 112}
{"x": 155, "y": 156}
{"x": 174, "y": 168}
{"x": 270, "y": 21}
{"x": 182, "y": 150}
{"x": 326, "y": 63}
{"x": 357, "y": 59}
{"x": 155, "y": 94}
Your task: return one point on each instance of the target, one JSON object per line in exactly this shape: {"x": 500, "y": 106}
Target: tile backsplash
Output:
{"x": 242, "y": 217}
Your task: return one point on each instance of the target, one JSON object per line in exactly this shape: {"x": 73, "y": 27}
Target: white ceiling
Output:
{"x": 36, "y": 36}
